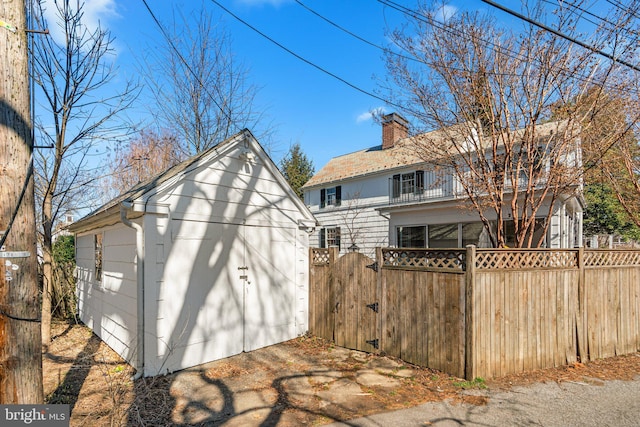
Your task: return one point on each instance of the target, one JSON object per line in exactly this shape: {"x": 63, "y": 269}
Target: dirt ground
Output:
{"x": 306, "y": 381}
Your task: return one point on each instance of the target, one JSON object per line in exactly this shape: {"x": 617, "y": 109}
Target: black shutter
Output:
{"x": 323, "y": 197}
{"x": 395, "y": 187}
{"x": 322, "y": 240}
{"x": 338, "y": 238}
{"x": 338, "y": 195}
{"x": 419, "y": 182}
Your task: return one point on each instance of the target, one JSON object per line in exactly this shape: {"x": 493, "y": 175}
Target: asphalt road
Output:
{"x": 609, "y": 403}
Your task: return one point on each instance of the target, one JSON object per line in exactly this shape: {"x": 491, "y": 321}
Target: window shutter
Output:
{"x": 322, "y": 239}
{"x": 323, "y": 197}
{"x": 419, "y": 182}
{"x": 338, "y": 239}
{"x": 338, "y": 195}
{"x": 395, "y": 189}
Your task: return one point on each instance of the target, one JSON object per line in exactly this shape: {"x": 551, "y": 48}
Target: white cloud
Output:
{"x": 95, "y": 12}
{"x": 445, "y": 12}
{"x": 368, "y": 115}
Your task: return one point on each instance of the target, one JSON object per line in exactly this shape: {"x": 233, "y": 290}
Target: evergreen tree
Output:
{"x": 605, "y": 215}
{"x": 296, "y": 168}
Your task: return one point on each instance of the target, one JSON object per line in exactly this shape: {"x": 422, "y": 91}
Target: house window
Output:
{"x": 472, "y": 234}
{"x": 331, "y": 196}
{"x": 443, "y": 236}
{"x": 510, "y": 233}
{"x": 411, "y": 237}
{"x": 408, "y": 183}
{"x": 97, "y": 246}
{"x": 330, "y": 237}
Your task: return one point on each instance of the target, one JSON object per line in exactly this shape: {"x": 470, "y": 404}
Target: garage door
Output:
{"x": 269, "y": 285}
{"x": 231, "y": 291}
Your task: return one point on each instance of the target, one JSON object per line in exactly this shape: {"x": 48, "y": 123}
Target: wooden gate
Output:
{"x": 344, "y": 302}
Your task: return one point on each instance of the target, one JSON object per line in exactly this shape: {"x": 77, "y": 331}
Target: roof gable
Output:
{"x": 155, "y": 184}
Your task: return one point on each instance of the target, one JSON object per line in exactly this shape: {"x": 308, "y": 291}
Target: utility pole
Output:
{"x": 20, "y": 341}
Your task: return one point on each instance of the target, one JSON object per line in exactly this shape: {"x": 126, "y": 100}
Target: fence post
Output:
{"x": 381, "y": 291}
{"x": 469, "y": 324}
{"x": 582, "y": 332}
{"x": 333, "y": 255}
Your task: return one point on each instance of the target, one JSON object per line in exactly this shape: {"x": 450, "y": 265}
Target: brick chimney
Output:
{"x": 394, "y": 128}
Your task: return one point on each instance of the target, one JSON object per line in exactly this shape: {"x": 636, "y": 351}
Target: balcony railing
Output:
{"x": 447, "y": 189}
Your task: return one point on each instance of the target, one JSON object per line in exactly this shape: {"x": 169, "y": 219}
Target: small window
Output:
{"x": 408, "y": 183}
{"x": 97, "y": 244}
{"x": 330, "y": 237}
{"x": 331, "y": 196}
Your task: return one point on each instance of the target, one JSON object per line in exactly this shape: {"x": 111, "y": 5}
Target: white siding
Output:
{"x": 364, "y": 198}
{"x": 223, "y": 217}
{"x": 109, "y": 307}
{"x": 357, "y": 217}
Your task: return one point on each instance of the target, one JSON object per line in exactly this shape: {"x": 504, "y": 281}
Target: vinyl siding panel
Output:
{"x": 109, "y": 307}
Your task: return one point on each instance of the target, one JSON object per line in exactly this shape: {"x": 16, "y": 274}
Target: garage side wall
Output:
{"x": 107, "y": 305}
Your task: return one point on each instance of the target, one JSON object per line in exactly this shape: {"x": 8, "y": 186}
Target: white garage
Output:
{"x": 204, "y": 261}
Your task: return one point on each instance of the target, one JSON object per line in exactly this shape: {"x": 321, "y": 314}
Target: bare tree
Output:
{"x": 78, "y": 112}
{"x": 202, "y": 90}
{"x": 350, "y": 218}
{"x": 146, "y": 155}
{"x": 494, "y": 97}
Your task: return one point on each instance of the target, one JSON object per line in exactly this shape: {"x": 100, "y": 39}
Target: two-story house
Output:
{"x": 387, "y": 195}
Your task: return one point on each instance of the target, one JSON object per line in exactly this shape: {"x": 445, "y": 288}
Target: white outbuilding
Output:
{"x": 204, "y": 261}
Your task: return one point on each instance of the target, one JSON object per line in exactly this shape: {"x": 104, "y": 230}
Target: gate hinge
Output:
{"x": 373, "y": 266}
{"x": 374, "y": 343}
{"x": 373, "y": 306}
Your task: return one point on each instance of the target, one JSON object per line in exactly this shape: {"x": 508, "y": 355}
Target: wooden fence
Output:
{"x": 480, "y": 312}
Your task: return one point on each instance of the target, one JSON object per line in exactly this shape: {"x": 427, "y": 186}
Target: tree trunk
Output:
{"x": 20, "y": 346}
{"x": 47, "y": 270}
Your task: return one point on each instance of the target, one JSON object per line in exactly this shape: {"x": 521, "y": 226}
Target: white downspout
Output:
{"x": 140, "y": 286}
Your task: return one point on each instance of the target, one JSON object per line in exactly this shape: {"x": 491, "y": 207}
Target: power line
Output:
{"x": 389, "y": 51}
{"x": 562, "y": 35}
{"x": 584, "y": 11}
{"x": 306, "y": 61}
{"x": 362, "y": 39}
{"x": 510, "y": 53}
{"x": 623, "y": 8}
{"x": 603, "y": 23}
{"x": 188, "y": 67}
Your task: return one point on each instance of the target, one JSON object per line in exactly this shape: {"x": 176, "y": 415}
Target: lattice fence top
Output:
{"x": 525, "y": 259}
{"x": 609, "y": 258}
{"x": 320, "y": 256}
{"x": 424, "y": 258}
{"x": 495, "y": 259}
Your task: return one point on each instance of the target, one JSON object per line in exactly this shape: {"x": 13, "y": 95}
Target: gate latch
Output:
{"x": 374, "y": 343}
{"x": 373, "y": 306}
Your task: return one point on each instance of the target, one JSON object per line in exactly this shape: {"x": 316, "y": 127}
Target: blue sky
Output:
{"x": 327, "y": 117}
